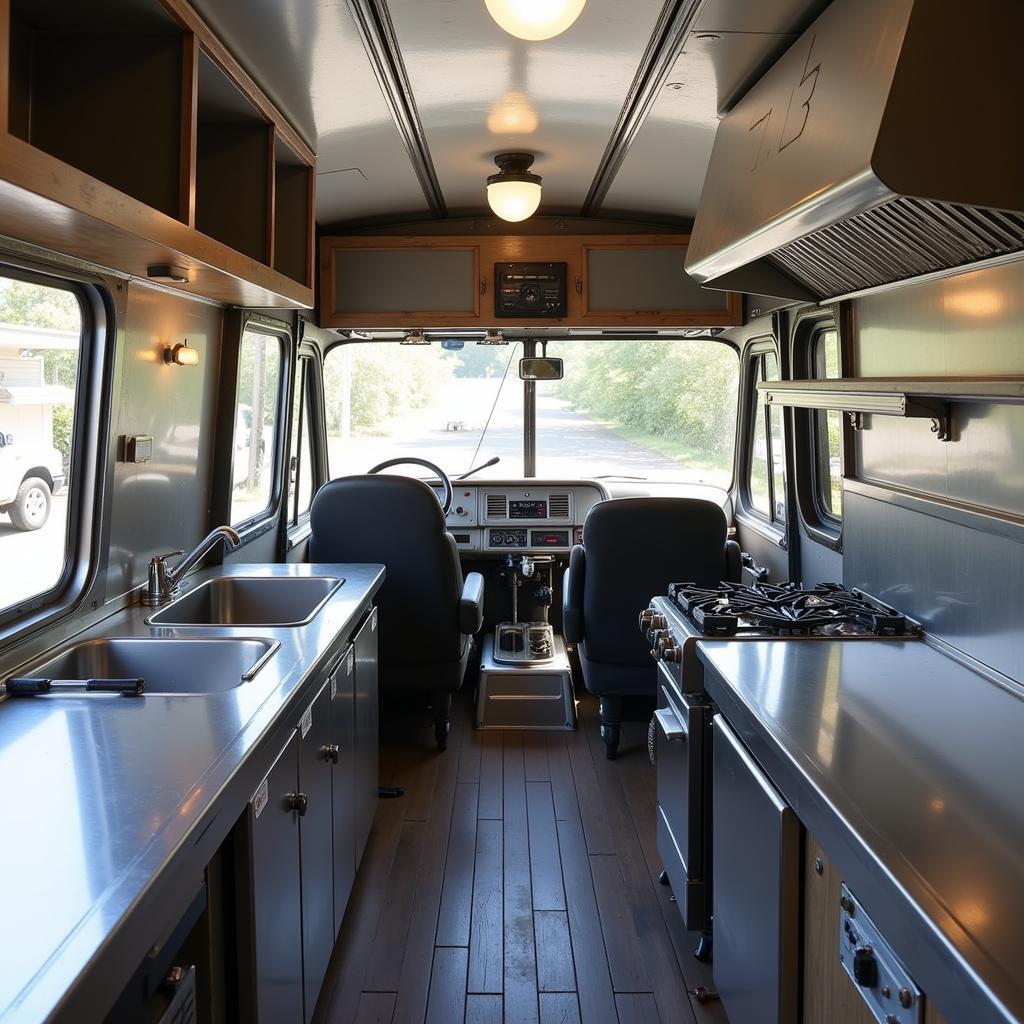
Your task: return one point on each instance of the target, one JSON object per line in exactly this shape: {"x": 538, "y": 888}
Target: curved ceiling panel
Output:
{"x": 480, "y": 91}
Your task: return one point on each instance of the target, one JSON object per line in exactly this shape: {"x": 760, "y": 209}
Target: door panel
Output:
{"x": 316, "y": 844}
{"x": 342, "y": 684}
{"x": 276, "y": 911}
{"x": 366, "y": 770}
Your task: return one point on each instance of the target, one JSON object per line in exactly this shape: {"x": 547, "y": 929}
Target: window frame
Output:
{"x": 819, "y": 522}
{"x": 529, "y": 410}
{"x": 308, "y": 384}
{"x": 89, "y": 468}
{"x": 769, "y": 524}
{"x": 263, "y": 521}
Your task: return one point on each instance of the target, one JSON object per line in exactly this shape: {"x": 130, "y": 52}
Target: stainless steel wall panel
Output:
{"x": 164, "y": 503}
{"x": 962, "y": 584}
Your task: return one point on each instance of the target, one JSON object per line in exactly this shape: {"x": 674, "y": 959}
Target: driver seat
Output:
{"x": 428, "y": 613}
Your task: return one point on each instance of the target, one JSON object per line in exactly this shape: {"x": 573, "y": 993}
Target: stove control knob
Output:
{"x": 659, "y": 622}
{"x": 666, "y": 647}
{"x": 654, "y": 635}
{"x": 646, "y": 619}
{"x": 673, "y": 654}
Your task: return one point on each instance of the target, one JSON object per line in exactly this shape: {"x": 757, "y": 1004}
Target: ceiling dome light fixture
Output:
{"x": 514, "y": 193}
{"x": 534, "y": 19}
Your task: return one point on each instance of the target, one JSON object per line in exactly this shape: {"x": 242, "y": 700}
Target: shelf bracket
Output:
{"x": 937, "y": 411}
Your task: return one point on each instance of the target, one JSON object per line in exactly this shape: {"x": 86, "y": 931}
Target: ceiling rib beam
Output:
{"x": 381, "y": 44}
{"x": 666, "y": 43}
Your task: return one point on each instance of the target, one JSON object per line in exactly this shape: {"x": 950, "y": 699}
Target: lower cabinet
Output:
{"x": 316, "y": 845}
{"x": 302, "y": 838}
{"x": 366, "y": 774}
{"x": 829, "y": 996}
{"x": 272, "y": 921}
{"x": 756, "y": 868}
{"x": 342, "y": 684}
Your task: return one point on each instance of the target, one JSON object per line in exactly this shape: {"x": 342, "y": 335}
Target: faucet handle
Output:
{"x": 169, "y": 554}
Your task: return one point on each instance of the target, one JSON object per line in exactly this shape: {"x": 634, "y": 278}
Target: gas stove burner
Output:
{"x": 786, "y": 609}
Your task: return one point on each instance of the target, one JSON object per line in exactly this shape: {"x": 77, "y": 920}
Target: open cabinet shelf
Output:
{"x": 130, "y": 137}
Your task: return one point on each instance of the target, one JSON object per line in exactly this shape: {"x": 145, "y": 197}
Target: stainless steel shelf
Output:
{"x": 909, "y": 397}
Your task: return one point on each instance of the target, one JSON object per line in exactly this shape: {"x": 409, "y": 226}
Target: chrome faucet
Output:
{"x": 164, "y": 582}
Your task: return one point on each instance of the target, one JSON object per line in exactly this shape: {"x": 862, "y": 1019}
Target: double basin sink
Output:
{"x": 203, "y": 665}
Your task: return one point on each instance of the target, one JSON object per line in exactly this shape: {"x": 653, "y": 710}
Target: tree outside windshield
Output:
{"x": 661, "y": 410}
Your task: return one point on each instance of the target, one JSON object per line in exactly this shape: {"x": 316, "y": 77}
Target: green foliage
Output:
{"x": 35, "y": 305}
{"x": 682, "y": 392}
{"x": 63, "y": 421}
{"x": 382, "y": 381}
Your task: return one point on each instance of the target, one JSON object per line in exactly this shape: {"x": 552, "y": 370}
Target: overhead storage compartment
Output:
{"x": 883, "y": 146}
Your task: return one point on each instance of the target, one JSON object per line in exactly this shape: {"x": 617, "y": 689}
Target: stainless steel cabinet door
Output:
{"x": 316, "y": 844}
{"x": 756, "y": 855}
{"x": 276, "y": 909}
{"x": 342, "y": 785}
{"x": 366, "y": 718}
{"x": 682, "y": 843}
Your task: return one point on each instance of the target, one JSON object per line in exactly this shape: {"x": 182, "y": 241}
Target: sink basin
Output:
{"x": 250, "y": 601}
{"x": 167, "y": 666}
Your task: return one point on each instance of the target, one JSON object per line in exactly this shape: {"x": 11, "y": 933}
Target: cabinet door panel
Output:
{"x": 316, "y": 842}
{"x": 377, "y": 280}
{"x": 366, "y": 741}
{"x": 342, "y": 785}
{"x": 276, "y": 900}
{"x": 756, "y": 857}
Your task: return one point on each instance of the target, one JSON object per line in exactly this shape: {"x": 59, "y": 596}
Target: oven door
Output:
{"x": 683, "y": 838}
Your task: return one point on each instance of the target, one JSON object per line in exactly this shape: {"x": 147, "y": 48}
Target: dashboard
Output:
{"x": 499, "y": 517}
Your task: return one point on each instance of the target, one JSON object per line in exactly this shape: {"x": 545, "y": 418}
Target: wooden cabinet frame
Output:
{"x": 491, "y": 249}
{"x": 48, "y": 202}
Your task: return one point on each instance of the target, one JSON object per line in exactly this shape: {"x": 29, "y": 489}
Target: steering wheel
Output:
{"x": 449, "y": 494}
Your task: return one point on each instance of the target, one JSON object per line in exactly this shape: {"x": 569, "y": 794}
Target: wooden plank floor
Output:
{"x": 516, "y": 882}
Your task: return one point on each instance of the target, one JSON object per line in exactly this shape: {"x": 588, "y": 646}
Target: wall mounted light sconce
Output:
{"x": 181, "y": 355}
{"x": 168, "y": 273}
{"x": 514, "y": 192}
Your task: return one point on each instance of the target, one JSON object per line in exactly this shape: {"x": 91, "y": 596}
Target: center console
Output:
{"x": 525, "y": 680}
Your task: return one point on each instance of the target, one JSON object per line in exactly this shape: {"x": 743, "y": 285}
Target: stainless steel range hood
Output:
{"x": 885, "y": 145}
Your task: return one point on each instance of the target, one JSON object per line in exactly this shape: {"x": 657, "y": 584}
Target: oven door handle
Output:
{"x": 671, "y": 725}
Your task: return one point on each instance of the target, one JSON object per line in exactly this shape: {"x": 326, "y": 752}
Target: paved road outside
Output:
{"x": 568, "y": 443}
{"x": 32, "y": 562}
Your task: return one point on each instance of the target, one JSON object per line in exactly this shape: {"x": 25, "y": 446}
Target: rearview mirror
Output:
{"x": 540, "y": 368}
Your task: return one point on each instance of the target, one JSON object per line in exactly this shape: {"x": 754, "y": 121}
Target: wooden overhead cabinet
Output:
{"x": 129, "y": 137}
{"x": 436, "y": 281}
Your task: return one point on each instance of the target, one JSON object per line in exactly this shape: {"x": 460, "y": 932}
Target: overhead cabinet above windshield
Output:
{"x": 515, "y": 281}
{"x": 129, "y": 137}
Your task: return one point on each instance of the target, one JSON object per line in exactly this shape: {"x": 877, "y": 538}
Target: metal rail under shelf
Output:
{"x": 909, "y": 397}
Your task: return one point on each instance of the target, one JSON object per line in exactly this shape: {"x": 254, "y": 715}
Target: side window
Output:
{"x": 827, "y": 428}
{"x": 257, "y": 407}
{"x": 766, "y": 483}
{"x": 41, "y": 331}
{"x": 300, "y": 463}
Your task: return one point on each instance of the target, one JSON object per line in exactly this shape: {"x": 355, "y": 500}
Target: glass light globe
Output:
{"x": 513, "y": 200}
{"x": 534, "y": 19}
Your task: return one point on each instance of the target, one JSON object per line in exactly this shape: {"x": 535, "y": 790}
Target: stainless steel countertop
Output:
{"x": 100, "y": 797}
{"x": 908, "y": 767}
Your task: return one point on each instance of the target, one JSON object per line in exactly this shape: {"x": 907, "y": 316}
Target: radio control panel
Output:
{"x": 527, "y": 290}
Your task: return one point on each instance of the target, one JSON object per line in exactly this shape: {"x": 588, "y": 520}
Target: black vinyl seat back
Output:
{"x": 633, "y": 548}
{"x": 397, "y": 521}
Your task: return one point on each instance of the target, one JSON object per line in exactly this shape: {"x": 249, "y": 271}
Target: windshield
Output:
{"x": 658, "y": 410}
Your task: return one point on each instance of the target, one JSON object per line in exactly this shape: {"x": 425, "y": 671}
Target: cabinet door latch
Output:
{"x": 330, "y": 752}
{"x": 298, "y": 802}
